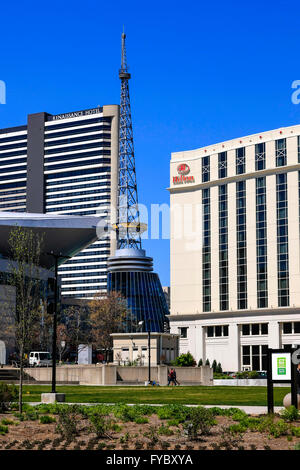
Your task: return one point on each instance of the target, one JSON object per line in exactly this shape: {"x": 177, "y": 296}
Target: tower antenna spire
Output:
{"x": 128, "y": 220}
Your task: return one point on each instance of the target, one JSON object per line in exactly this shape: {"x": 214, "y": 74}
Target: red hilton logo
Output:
{"x": 183, "y": 169}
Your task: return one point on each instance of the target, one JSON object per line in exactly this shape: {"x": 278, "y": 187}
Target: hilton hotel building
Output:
{"x": 235, "y": 248}
{"x": 65, "y": 164}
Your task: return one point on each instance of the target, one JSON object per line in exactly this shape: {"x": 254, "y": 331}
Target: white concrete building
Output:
{"x": 235, "y": 253}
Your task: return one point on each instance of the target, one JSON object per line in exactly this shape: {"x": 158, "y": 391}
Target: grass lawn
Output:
{"x": 198, "y": 395}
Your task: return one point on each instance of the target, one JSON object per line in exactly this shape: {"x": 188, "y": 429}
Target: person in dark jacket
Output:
{"x": 298, "y": 378}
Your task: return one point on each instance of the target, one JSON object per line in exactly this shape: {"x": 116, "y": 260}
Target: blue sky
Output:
{"x": 202, "y": 72}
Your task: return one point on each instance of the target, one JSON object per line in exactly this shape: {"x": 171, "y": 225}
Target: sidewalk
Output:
{"x": 251, "y": 410}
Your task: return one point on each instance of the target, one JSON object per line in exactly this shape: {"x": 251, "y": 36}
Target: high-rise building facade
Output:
{"x": 235, "y": 248}
{"x": 65, "y": 164}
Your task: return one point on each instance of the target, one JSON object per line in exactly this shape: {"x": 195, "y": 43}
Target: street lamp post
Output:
{"x": 141, "y": 323}
{"x": 56, "y": 257}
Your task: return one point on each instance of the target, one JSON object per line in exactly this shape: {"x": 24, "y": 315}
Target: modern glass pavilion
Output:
{"x": 130, "y": 272}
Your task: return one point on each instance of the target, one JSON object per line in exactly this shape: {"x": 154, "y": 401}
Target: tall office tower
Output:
{"x": 65, "y": 164}
{"x": 130, "y": 270}
{"x": 235, "y": 262}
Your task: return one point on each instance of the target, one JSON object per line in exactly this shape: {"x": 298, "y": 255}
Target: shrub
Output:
{"x": 200, "y": 419}
{"x": 295, "y": 431}
{"x": 3, "y": 429}
{"x": 184, "y": 360}
{"x": 290, "y": 414}
{"x": 7, "y": 422}
{"x": 179, "y": 412}
{"x": 141, "y": 420}
{"x": 101, "y": 424}
{"x": 214, "y": 365}
{"x": 165, "y": 430}
{"x": 219, "y": 368}
{"x": 207, "y": 363}
{"x": 8, "y": 393}
{"x": 46, "y": 419}
{"x": 253, "y": 374}
{"x": 239, "y": 428}
{"x": 200, "y": 363}
{"x": 67, "y": 422}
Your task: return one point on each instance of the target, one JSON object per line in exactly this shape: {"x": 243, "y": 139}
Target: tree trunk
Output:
{"x": 21, "y": 381}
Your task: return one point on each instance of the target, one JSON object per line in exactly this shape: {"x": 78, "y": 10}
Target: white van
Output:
{"x": 39, "y": 359}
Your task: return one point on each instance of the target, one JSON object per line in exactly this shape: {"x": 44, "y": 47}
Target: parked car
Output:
{"x": 39, "y": 359}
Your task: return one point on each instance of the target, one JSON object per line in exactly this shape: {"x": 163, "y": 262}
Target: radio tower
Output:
{"x": 128, "y": 220}
{"x": 130, "y": 271}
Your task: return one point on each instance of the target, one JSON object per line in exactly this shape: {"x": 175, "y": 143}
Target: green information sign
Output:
{"x": 281, "y": 366}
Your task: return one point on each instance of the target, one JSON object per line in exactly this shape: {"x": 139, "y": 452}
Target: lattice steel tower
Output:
{"x": 130, "y": 271}
{"x": 128, "y": 220}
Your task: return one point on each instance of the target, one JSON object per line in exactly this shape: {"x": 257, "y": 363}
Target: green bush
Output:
{"x": 46, "y": 419}
{"x": 101, "y": 424}
{"x": 67, "y": 422}
{"x": 214, "y": 365}
{"x": 141, "y": 420}
{"x": 290, "y": 414}
{"x": 219, "y": 368}
{"x": 239, "y": 428}
{"x": 179, "y": 412}
{"x": 165, "y": 430}
{"x": 295, "y": 431}
{"x": 8, "y": 422}
{"x": 8, "y": 393}
{"x": 199, "y": 420}
{"x": 200, "y": 363}
{"x": 184, "y": 360}
{"x": 3, "y": 429}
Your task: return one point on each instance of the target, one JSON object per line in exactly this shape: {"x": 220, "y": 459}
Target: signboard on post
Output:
{"x": 281, "y": 366}
{"x": 281, "y": 369}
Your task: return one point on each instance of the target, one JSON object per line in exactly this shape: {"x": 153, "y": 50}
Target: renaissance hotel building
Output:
{"x": 65, "y": 164}
{"x": 235, "y": 248}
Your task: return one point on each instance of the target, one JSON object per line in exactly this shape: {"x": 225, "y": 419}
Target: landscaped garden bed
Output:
{"x": 169, "y": 427}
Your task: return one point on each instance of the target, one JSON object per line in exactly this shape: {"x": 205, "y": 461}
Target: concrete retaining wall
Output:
{"x": 245, "y": 382}
{"x": 112, "y": 374}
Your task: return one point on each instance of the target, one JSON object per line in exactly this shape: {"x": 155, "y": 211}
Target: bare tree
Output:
{"x": 74, "y": 329}
{"x": 107, "y": 315}
{"x": 25, "y": 247}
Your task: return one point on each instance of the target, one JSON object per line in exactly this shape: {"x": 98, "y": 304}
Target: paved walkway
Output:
{"x": 251, "y": 410}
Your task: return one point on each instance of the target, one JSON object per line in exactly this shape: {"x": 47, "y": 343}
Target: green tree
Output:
{"x": 200, "y": 363}
{"x": 25, "y": 248}
{"x": 207, "y": 363}
{"x": 185, "y": 360}
{"x": 214, "y": 365}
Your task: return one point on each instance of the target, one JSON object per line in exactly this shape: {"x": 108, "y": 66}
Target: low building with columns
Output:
{"x": 235, "y": 252}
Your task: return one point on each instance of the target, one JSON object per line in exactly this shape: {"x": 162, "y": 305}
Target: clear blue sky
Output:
{"x": 202, "y": 72}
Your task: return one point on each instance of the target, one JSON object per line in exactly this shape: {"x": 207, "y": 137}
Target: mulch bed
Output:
{"x": 32, "y": 435}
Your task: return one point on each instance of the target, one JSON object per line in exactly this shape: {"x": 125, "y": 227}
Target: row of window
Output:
{"x": 65, "y": 201}
{"x": 240, "y": 159}
{"x": 78, "y": 181}
{"x": 54, "y": 135}
{"x": 74, "y": 193}
{"x": 72, "y": 140}
{"x": 206, "y": 251}
{"x": 75, "y": 148}
{"x": 75, "y": 123}
{"x": 248, "y": 329}
{"x": 79, "y": 206}
{"x": 241, "y": 233}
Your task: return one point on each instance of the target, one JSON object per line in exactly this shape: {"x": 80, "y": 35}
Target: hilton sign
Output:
{"x": 183, "y": 170}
